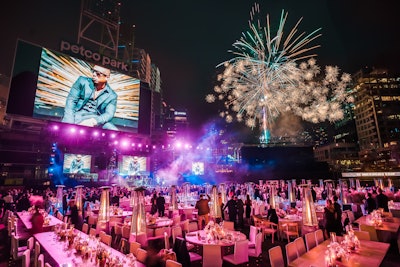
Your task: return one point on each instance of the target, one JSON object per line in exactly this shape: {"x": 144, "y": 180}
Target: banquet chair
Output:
{"x": 276, "y": 257}
{"x": 26, "y": 258}
{"x": 16, "y": 250}
{"x": 362, "y": 235}
{"x": 166, "y": 241}
{"x": 106, "y": 239}
{"x": 177, "y": 231}
{"x": 117, "y": 235}
{"x": 371, "y": 230}
{"x": 37, "y": 252}
{"x": 92, "y": 232}
{"x": 92, "y": 221}
{"x": 252, "y": 236}
{"x": 185, "y": 226}
{"x": 126, "y": 231}
{"x": 319, "y": 236}
{"x": 290, "y": 230}
{"x": 124, "y": 246}
{"x": 141, "y": 255}
{"x": 240, "y": 253}
{"x": 40, "y": 261}
{"x": 101, "y": 233}
{"x": 133, "y": 247}
{"x": 228, "y": 225}
{"x": 311, "y": 242}
{"x": 301, "y": 248}
{"x": 269, "y": 228}
{"x": 257, "y": 250}
{"x": 291, "y": 252}
{"x": 193, "y": 226}
{"x": 172, "y": 263}
{"x": 85, "y": 228}
{"x": 212, "y": 255}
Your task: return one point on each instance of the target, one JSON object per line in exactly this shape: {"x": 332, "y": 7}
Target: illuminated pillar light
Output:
{"x": 222, "y": 190}
{"x": 308, "y": 209}
{"x": 215, "y": 208}
{"x": 174, "y": 202}
{"x": 342, "y": 196}
{"x": 351, "y": 181}
{"x": 291, "y": 194}
{"x": 138, "y": 223}
{"x": 358, "y": 185}
{"x": 272, "y": 195}
{"x": 78, "y": 197}
{"x": 104, "y": 211}
{"x": 132, "y": 202}
{"x": 329, "y": 188}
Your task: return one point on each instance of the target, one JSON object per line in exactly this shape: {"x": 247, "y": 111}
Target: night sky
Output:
{"x": 188, "y": 39}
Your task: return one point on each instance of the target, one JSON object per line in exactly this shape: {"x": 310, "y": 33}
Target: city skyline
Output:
{"x": 188, "y": 40}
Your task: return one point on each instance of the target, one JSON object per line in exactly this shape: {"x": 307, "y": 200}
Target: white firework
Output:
{"x": 273, "y": 73}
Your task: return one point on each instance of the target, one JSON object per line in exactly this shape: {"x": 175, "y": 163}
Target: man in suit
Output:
{"x": 91, "y": 101}
{"x": 382, "y": 201}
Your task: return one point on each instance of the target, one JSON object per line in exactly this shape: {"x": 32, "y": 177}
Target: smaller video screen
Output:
{"x": 198, "y": 168}
{"x": 133, "y": 165}
{"x": 77, "y": 163}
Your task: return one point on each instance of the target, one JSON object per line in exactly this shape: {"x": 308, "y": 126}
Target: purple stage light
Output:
{"x": 139, "y": 145}
{"x": 55, "y": 127}
{"x": 81, "y": 131}
{"x": 154, "y": 147}
{"x": 72, "y": 130}
{"x": 116, "y": 142}
{"x": 133, "y": 144}
{"x": 103, "y": 134}
{"x": 125, "y": 143}
{"x": 95, "y": 133}
{"x": 178, "y": 144}
{"x": 113, "y": 135}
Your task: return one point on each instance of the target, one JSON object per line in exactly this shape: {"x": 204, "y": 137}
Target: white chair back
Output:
{"x": 257, "y": 250}
{"x": 40, "y": 261}
{"x": 301, "y": 248}
{"x": 212, "y": 256}
{"x": 241, "y": 251}
{"x": 311, "y": 242}
{"x": 319, "y": 236}
{"x": 37, "y": 252}
{"x": 172, "y": 263}
{"x": 291, "y": 252}
{"x": 141, "y": 255}
{"x": 276, "y": 257}
{"x": 133, "y": 247}
{"x": 26, "y": 258}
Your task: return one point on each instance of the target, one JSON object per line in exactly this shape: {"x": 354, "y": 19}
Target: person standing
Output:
{"x": 203, "y": 210}
{"x": 240, "y": 210}
{"x": 370, "y": 203}
{"x": 382, "y": 201}
{"x": 160, "y": 205}
{"x": 232, "y": 209}
{"x": 329, "y": 219}
{"x": 37, "y": 221}
{"x": 248, "y": 205}
{"x": 338, "y": 216}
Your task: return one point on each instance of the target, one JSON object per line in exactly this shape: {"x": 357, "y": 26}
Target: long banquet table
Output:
{"x": 25, "y": 217}
{"x": 370, "y": 254}
{"x": 60, "y": 256}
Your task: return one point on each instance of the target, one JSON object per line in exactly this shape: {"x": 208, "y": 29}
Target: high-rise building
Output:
{"x": 377, "y": 117}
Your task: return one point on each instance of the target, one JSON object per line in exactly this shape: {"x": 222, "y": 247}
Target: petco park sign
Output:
{"x": 92, "y": 56}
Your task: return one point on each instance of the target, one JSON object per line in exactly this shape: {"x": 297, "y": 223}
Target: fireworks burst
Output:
{"x": 273, "y": 73}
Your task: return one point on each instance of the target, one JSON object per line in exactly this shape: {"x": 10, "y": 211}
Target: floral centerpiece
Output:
{"x": 376, "y": 218}
{"x": 214, "y": 232}
{"x": 101, "y": 256}
{"x": 151, "y": 219}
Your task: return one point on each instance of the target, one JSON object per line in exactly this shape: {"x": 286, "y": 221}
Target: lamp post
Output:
{"x": 104, "y": 211}
{"x": 186, "y": 192}
{"x": 291, "y": 195}
{"x": 59, "y": 204}
{"x": 173, "y": 200}
{"x": 138, "y": 223}
{"x": 133, "y": 197}
{"x": 78, "y": 198}
{"x": 215, "y": 207}
{"x": 308, "y": 210}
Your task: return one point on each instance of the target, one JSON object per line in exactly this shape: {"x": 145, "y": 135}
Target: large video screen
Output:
{"x": 72, "y": 90}
{"x": 133, "y": 165}
{"x": 77, "y": 163}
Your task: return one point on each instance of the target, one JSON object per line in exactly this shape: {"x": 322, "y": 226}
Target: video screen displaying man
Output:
{"x": 77, "y": 163}
{"x": 91, "y": 101}
{"x": 134, "y": 167}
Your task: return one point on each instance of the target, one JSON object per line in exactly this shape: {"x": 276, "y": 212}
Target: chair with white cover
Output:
{"x": 371, "y": 230}
{"x": 252, "y": 236}
{"x": 276, "y": 257}
{"x": 319, "y": 236}
{"x": 85, "y": 228}
{"x": 212, "y": 255}
{"x": 290, "y": 230}
{"x": 40, "y": 261}
{"x": 92, "y": 232}
{"x": 172, "y": 263}
{"x": 311, "y": 242}
{"x": 228, "y": 225}
{"x": 133, "y": 247}
{"x": 362, "y": 235}
{"x": 16, "y": 250}
{"x": 240, "y": 253}
{"x": 291, "y": 252}
{"x": 37, "y": 252}
{"x": 26, "y": 258}
{"x": 301, "y": 248}
{"x": 257, "y": 250}
{"x": 126, "y": 232}
{"x": 106, "y": 239}
{"x": 141, "y": 255}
